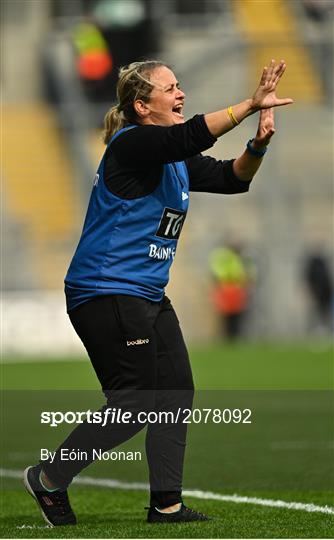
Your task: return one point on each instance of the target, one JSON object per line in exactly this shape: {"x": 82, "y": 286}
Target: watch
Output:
{"x": 251, "y": 150}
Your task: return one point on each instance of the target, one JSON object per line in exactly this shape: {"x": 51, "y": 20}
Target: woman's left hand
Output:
{"x": 265, "y": 130}
{"x": 265, "y": 94}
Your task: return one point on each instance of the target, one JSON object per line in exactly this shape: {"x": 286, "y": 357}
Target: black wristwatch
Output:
{"x": 257, "y": 153}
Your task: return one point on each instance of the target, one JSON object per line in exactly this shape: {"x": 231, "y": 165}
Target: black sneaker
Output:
{"x": 54, "y": 505}
{"x": 182, "y": 515}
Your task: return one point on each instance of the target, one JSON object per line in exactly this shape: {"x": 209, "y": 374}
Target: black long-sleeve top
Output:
{"x": 135, "y": 159}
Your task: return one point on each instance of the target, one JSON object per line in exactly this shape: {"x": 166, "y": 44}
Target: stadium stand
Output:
{"x": 289, "y": 204}
{"x": 274, "y": 33}
{"x": 39, "y": 188}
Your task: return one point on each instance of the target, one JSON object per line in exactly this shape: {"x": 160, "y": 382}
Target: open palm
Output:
{"x": 266, "y": 128}
{"x": 265, "y": 95}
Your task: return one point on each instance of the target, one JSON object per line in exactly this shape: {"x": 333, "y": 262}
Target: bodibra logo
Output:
{"x": 138, "y": 341}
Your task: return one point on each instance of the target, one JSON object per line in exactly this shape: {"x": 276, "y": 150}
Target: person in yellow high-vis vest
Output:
{"x": 233, "y": 278}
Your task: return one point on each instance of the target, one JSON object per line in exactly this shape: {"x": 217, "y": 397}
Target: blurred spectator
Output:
{"x": 318, "y": 10}
{"x": 111, "y": 34}
{"x": 94, "y": 61}
{"x": 319, "y": 281}
{"x": 234, "y": 276}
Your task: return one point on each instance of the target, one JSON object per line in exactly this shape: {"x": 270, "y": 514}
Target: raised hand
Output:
{"x": 265, "y": 95}
{"x": 265, "y": 130}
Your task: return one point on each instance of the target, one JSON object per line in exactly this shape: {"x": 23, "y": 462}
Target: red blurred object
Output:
{"x": 230, "y": 298}
{"x": 94, "y": 65}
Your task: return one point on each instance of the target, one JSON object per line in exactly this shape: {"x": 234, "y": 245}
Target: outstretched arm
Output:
{"x": 221, "y": 122}
{"x": 166, "y": 144}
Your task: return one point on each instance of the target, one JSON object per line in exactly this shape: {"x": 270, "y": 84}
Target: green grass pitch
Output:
{"x": 285, "y": 454}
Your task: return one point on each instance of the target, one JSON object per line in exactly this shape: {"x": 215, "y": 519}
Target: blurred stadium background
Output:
{"x": 59, "y": 65}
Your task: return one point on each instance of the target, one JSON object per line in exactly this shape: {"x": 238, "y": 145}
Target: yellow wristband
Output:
{"x": 232, "y": 116}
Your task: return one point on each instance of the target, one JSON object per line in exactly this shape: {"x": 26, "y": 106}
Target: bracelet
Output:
{"x": 232, "y": 116}
{"x": 257, "y": 153}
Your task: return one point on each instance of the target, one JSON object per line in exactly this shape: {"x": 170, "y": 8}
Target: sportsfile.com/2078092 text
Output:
{"x": 118, "y": 416}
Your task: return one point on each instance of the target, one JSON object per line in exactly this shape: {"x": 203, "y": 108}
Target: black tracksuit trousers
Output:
{"x": 140, "y": 358}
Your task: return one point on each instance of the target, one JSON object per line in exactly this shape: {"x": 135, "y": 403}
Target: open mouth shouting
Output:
{"x": 177, "y": 110}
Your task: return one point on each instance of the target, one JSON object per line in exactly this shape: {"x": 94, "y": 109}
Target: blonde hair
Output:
{"x": 133, "y": 83}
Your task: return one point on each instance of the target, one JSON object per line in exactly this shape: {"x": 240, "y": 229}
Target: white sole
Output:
{"x": 30, "y": 491}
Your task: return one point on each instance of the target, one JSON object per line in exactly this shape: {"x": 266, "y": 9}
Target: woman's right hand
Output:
{"x": 265, "y": 95}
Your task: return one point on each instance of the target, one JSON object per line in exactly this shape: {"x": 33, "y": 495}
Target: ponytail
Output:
{"x": 113, "y": 121}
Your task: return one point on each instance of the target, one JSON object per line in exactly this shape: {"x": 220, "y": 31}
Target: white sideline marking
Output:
{"x": 34, "y": 527}
{"x": 196, "y": 493}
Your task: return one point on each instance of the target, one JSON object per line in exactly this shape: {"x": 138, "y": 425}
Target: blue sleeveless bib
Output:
{"x": 128, "y": 246}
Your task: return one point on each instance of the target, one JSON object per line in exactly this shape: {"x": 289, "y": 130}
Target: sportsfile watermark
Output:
{"x": 113, "y": 415}
{"x": 70, "y": 454}
{"x": 237, "y": 440}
